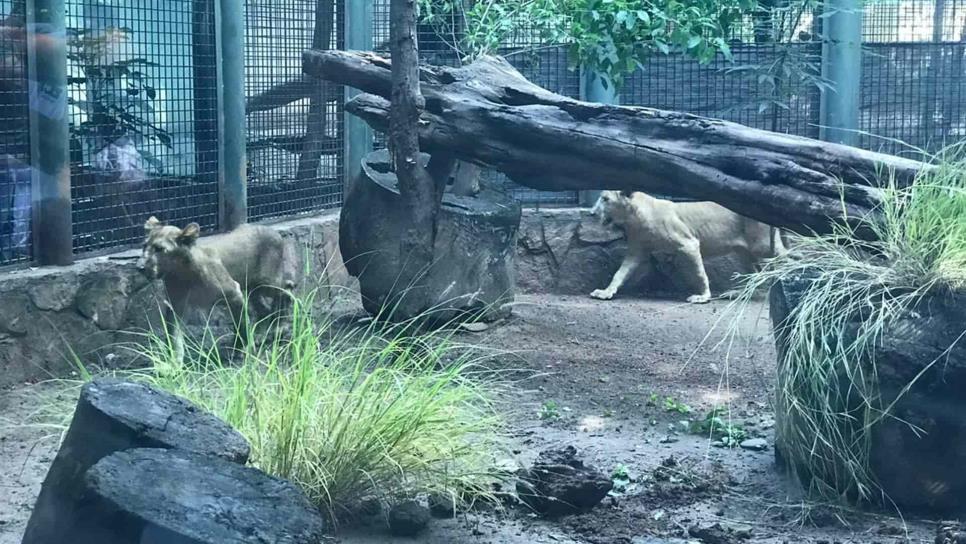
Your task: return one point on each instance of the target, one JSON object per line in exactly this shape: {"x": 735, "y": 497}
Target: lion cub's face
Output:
{"x": 164, "y": 246}
{"x": 612, "y": 207}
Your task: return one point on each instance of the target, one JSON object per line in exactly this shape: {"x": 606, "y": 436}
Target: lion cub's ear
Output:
{"x": 189, "y": 234}
{"x": 151, "y": 224}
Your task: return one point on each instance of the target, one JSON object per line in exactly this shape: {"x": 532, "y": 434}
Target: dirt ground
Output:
{"x": 605, "y": 372}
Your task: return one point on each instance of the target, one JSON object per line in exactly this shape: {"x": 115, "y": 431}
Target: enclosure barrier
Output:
{"x": 197, "y": 110}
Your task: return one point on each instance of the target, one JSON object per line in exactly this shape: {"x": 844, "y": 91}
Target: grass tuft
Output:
{"x": 827, "y": 394}
{"x": 349, "y": 412}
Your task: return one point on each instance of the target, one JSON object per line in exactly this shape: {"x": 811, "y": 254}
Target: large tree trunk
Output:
{"x": 419, "y": 193}
{"x": 489, "y": 114}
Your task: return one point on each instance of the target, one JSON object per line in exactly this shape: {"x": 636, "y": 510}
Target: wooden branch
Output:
{"x": 489, "y": 114}
{"x": 288, "y": 92}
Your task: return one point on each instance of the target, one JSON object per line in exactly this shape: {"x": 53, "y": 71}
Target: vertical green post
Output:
{"x": 842, "y": 67}
{"x": 49, "y": 132}
{"x": 358, "y": 135}
{"x": 234, "y": 161}
{"x": 594, "y": 89}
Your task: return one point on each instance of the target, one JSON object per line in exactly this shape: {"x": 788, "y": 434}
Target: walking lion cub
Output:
{"x": 692, "y": 230}
{"x": 250, "y": 264}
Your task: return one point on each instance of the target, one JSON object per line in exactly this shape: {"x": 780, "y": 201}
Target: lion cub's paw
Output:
{"x": 699, "y": 299}
{"x": 602, "y": 294}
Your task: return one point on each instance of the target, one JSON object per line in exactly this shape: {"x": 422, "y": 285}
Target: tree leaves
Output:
{"x": 611, "y": 37}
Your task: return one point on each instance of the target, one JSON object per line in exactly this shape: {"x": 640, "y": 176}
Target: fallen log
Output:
{"x": 487, "y": 113}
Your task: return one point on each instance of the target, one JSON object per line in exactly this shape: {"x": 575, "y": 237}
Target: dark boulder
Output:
{"x": 114, "y": 415}
{"x": 408, "y": 518}
{"x": 559, "y": 483}
{"x": 164, "y": 496}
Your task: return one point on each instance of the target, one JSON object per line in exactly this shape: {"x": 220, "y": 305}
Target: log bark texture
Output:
{"x": 112, "y": 416}
{"x": 489, "y": 114}
{"x": 420, "y": 197}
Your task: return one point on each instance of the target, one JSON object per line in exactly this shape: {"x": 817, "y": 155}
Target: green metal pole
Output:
{"x": 842, "y": 67}
{"x": 234, "y": 161}
{"x": 49, "y": 132}
{"x": 593, "y": 89}
{"x": 358, "y": 135}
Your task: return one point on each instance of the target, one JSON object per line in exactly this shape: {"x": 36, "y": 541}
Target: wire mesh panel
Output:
{"x": 143, "y": 117}
{"x": 913, "y": 85}
{"x": 295, "y": 123}
{"x": 15, "y": 173}
{"x": 733, "y": 90}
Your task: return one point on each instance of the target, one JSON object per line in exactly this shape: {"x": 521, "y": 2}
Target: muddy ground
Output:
{"x": 605, "y": 373}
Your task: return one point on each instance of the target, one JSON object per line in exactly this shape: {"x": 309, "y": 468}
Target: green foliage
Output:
{"x": 549, "y": 410}
{"x": 717, "y": 425}
{"x": 827, "y": 394}
{"x": 119, "y": 94}
{"x": 672, "y": 404}
{"x": 378, "y": 412}
{"x": 611, "y": 37}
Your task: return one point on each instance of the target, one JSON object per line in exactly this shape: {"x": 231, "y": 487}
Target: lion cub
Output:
{"x": 692, "y": 230}
{"x": 252, "y": 262}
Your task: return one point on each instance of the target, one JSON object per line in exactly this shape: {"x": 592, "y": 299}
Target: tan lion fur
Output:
{"x": 692, "y": 230}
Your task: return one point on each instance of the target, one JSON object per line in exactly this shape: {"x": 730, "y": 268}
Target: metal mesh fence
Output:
{"x": 143, "y": 116}
{"x": 15, "y": 174}
{"x": 913, "y": 85}
{"x": 295, "y": 123}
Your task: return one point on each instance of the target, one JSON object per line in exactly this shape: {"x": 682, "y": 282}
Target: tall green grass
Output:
{"x": 349, "y": 412}
{"x": 827, "y": 392}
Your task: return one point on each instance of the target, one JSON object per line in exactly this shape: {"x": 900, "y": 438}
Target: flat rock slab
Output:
{"x": 158, "y": 419}
{"x": 114, "y": 415}
{"x": 163, "y": 496}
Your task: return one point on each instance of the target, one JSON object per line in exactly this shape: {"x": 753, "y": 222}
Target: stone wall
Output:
{"x": 50, "y": 317}
{"x": 97, "y": 305}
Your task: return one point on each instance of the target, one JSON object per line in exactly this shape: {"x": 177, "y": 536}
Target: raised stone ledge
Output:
{"x": 50, "y": 315}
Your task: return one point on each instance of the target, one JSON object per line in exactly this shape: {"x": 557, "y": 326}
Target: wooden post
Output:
{"x": 358, "y": 135}
{"x": 842, "y": 66}
{"x": 593, "y": 89}
{"x": 49, "y": 132}
{"x": 234, "y": 160}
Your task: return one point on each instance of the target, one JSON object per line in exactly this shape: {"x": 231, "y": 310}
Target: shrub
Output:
{"x": 348, "y": 412}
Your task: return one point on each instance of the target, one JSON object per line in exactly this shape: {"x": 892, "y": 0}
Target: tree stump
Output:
{"x": 111, "y": 416}
{"x": 918, "y": 453}
{"x": 473, "y": 268}
{"x": 166, "y": 496}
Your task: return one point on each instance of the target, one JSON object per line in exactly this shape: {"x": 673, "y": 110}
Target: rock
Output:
{"x": 474, "y": 327}
{"x": 716, "y": 533}
{"x": 408, "y": 519}
{"x": 104, "y": 300}
{"x": 949, "y": 532}
{"x": 473, "y": 273}
{"x": 754, "y": 444}
{"x": 54, "y": 295}
{"x": 559, "y": 483}
{"x": 191, "y": 498}
{"x": 442, "y": 506}
{"x": 111, "y": 416}
{"x": 917, "y": 453}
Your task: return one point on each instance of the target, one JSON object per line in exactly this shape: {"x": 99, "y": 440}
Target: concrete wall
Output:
{"x": 90, "y": 309}
{"x": 97, "y": 305}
